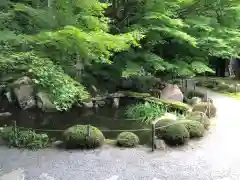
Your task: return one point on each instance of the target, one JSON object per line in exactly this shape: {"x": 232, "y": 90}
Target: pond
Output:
{"x": 105, "y": 118}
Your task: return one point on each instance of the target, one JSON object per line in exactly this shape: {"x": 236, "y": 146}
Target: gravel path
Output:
{"x": 215, "y": 157}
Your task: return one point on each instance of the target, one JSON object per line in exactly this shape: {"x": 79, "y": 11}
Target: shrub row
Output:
{"x": 218, "y": 85}
{"x": 180, "y": 131}
{"x": 77, "y": 136}
{"x": 88, "y": 137}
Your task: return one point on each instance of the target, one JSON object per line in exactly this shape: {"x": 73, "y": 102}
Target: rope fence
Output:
{"x": 152, "y": 130}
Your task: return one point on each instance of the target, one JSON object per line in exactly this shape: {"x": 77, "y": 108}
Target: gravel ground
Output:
{"x": 214, "y": 157}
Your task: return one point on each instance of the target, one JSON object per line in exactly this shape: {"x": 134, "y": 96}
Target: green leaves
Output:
{"x": 145, "y": 112}
{"x": 64, "y": 90}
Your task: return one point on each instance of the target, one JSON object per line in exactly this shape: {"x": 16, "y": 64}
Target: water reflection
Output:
{"x": 106, "y": 118}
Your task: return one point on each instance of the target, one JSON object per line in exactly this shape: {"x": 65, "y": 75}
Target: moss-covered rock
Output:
{"x": 135, "y": 94}
{"x": 195, "y": 128}
{"x": 200, "y": 117}
{"x": 208, "y": 108}
{"x": 172, "y": 105}
{"x": 127, "y": 139}
{"x": 78, "y": 136}
{"x": 173, "y": 132}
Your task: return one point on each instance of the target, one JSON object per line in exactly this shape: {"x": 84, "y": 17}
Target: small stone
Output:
{"x": 116, "y": 102}
{"x": 57, "y": 143}
{"x": 88, "y": 104}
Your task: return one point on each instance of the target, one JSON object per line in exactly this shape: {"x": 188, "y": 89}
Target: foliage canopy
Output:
{"x": 68, "y": 45}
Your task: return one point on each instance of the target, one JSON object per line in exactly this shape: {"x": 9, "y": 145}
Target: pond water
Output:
{"x": 106, "y": 118}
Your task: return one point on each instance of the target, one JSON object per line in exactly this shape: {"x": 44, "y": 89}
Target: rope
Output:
{"x": 109, "y": 130}
{"x": 43, "y": 130}
{"x": 126, "y": 119}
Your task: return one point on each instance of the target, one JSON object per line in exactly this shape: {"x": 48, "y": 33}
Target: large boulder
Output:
{"x": 44, "y": 102}
{"x": 23, "y": 90}
{"x": 172, "y": 92}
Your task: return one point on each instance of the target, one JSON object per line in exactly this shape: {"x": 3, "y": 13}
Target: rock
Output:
{"x": 126, "y": 83}
{"x": 57, "y": 143}
{"x": 195, "y": 100}
{"x": 44, "y": 102}
{"x": 172, "y": 92}
{"x": 88, "y": 104}
{"x": 159, "y": 144}
{"x": 23, "y": 90}
{"x": 101, "y": 103}
{"x": 169, "y": 116}
{"x": 116, "y": 102}
{"x": 5, "y": 114}
{"x": 9, "y": 97}
{"x": 2, "y": 89}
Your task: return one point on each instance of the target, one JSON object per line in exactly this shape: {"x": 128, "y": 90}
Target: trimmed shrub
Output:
{"x": 162, "y": 123}
{"x": 200, "y": 117}
{"x": 127, "y": 139}
{"x": 231, "y": 89}
{"x": 195, "y": 128}
{"x": 223, "y": 86}
{"x": 78, "y": 137}
{"x": 24, "y": 139}
{"x": 175, "y": 134}
{"x": 208, "y": 108}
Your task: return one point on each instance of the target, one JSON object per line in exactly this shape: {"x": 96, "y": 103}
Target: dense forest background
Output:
{"x": 72, "y": 48}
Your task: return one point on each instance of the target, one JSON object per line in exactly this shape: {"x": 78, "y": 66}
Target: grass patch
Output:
{"x": 227, "y": 86}
{"x": 232, "y": 95}
{"x": 145, "y": 112}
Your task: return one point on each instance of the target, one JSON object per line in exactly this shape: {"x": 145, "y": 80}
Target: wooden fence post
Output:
{"x": 153, "y": 137}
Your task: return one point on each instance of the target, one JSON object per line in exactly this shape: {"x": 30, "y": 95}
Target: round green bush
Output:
{"x": 208, "y": 108}
{"x": 172, "y": 132}
{"x": 78, "y": 137}
{"x": 200, "y": 117}
{"x": 127, "y": 139}
{"x": 223, "y": 86}
{"x": 231, "y": 89}
{"x": 176, "y": 134}
{"x": 195, "y": 128}
{"x": 160, "y": 126}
